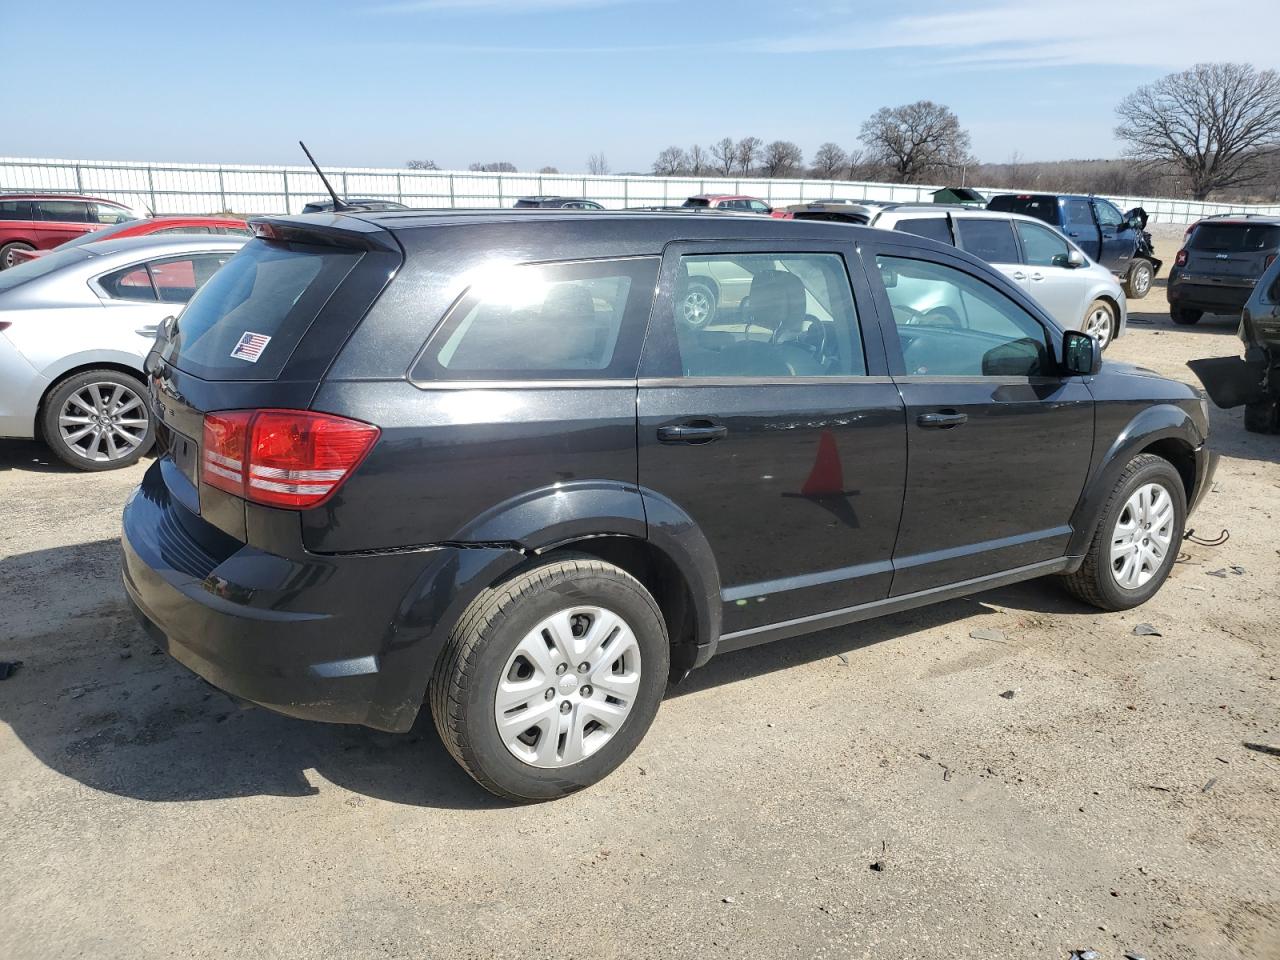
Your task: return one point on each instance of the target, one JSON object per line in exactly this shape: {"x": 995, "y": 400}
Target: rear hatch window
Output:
{"x": 246, "y": 321}
{"x": 697, "y": 202}
{"x": 1233, "y": 249}
{"x": 1041, "y": 206}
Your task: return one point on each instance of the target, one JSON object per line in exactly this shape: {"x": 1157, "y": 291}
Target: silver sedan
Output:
{"x": 75, "y": 327}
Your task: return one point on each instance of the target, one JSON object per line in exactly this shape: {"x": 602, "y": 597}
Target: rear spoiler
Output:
{"x": 328, "y": 230}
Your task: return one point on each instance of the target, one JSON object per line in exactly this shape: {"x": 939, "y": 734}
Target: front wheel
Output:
{"x": 1138, "y": 283}
{"x": 1100, "y": 323}
{"x": 98, "y": 420}
{"x": 1136, "y": 542}
{"x": 549, "y": 681}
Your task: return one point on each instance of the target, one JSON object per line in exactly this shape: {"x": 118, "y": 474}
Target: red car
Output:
{"x": 36, "y": 221}
{"x": 138, "y": 228}
{"x": 729, "y": 201}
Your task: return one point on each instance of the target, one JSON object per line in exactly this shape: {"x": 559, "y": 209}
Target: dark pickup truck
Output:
{"x": 1116, "y": 240}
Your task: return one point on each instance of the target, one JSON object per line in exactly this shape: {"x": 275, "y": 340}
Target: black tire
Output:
{"x": 1184, "y": 316}
{"x": 1137, "y": 284}
{"x": 78, "y": 453}
{"x": 698, "y": 307}
{"x": 8, "y": 250}
{"x": 465, "y": 682}
{"x": 1102, "y": 305}
{"x": 1095, "y": 582}
{"x": 1262, "y": 416}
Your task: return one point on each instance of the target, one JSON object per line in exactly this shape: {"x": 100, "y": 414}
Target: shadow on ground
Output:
{"x": 95, "y": 702}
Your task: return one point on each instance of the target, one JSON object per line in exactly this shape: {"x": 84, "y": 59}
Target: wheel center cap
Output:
{"x": 567, "y": 684}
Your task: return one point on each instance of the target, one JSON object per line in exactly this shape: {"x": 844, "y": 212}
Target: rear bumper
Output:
{"x": 1211, "y": 298}
{"x": 343, "y": 639}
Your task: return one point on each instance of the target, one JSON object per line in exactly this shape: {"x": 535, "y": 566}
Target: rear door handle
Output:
{"x": 942, "y": 421}
{"x": 1037, "y": 276}
{"x": 701, "y": 432}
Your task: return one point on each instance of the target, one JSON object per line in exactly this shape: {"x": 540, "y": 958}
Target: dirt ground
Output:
{"x": 1126, "y": 798}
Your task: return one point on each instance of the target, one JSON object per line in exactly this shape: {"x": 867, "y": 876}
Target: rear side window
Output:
{"x": 989, "y": 240}
{"x": 1041, "y": 206}
{"x": 17, "y": 210}
{"x": 65, "y": 211}
{"x": 1235, "y": 237}
{"x": 1079, "y": 213}
{"x": 131, "y": 283}
{"x": 562, "y": 321}
{"x": 245, "y": 322}
{"x": 934, "y": 228}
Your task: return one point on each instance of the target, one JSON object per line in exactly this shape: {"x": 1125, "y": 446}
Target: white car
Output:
{"x": 75, "y": 328}
{"x": 1080, "y": 294}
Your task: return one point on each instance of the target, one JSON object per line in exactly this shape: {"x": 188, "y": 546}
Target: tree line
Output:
{"x": 1213, "y": 129}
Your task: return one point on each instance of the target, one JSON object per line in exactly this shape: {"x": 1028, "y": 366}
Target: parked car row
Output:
{"x": 324, "y": 532}
{"x": 33, "y": 221}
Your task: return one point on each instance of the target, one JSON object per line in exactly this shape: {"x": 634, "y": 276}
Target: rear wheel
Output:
{"x": 98, "y": 420}
{"x": 1100, "y": 323}
{"x": 8, "y": 251}
{"x": 1137, "y": 538}
{"x": 1138, "y": 283}
{"x": 1185, "y": 317}
{"x": 1262, "y": 416}
{"x": 550, "y": 680}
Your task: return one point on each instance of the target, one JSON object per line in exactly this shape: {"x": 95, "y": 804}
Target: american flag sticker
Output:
{"x": 251, "y": 346}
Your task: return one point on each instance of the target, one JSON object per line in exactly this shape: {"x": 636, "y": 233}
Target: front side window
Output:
{"x": 935, "y": 228}
{"x": 581, "y": 320}
{"x": 1108, "y": 215}
{"x": 766, "y": 315}
{"x": 64, "y": 211}
{"x": 1078, "y": 213}
{"x": 951, "y": 324}
{"x": 757, "y": 206}
{"x": 989, "y": 240}
{"x": 106, "y": 213}
{"x": 1041, "y": 246}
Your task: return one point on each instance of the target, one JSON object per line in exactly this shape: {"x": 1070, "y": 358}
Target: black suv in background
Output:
{"x": 1118, "y": 241}
{"x": 480, "y": 460}
{"x": 556, "y": 203}
{"x": 1218, "y": 268}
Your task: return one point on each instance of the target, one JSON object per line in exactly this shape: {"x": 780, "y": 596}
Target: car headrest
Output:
{"x": 777, "y": 299}
{"x": 569, "y": 304}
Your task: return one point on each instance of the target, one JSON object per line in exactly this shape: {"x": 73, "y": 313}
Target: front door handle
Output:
{"x": 150, "y": 330}
{"x": 697, "y": 432}
{"x": 1019, "y": 275}
{"x": 942, "y": 421}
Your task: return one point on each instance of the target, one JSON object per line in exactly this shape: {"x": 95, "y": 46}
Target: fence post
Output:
{"x": 345, "y": 191}
{"x": 453, "y": 200}
{"x": 500, "y": 200}
{"x": 626, "y": 192}
{"x": 399, "y": 189}
{"x": 151, "y": 188}
{"x": 222, "y": 191}
{"x": 79, "y": 181}
{"x": 284, "y": 175}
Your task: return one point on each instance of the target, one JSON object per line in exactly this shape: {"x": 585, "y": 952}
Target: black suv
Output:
{"x": 1220, "y": 265}
{"x": 478, "y": 460}
{"x": 556, "y": 203}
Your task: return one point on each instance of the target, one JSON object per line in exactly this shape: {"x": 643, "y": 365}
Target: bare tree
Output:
{"x": 500, "y": 166}
{"x": 781, "y": 158}
{"x": 422, "y": 165}
{"x": 830, "y": 161}
{"x": 746, "y": 153}
{"x": 916, "y": 140}
{"x": 670, "y": 162}
{"x": 597, "y": 163}
{"x": 725, "y": 154}
{"x": 699, "y": 161}
{"x": 549, "y": 170}
{"x": 1210, "y": 122}
{"x": 859, "y": 167}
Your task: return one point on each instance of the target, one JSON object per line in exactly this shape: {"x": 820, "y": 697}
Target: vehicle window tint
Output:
{"x": 1042, "y": 247}
{"x": 989, "y": 240}
{"x": 766, "y": 315}
{"x": 131, "y": 283}
{"x": 105, "y": 213}
{"x": 935, "y": 228}
{"x": 1108, "y": 215}
{"x": 1041, "y": 206}
{"x": 697, "y": 202}
{"x": 549, "y": 321}
{"x": 1078, "y": 212}
{"x": 758, "y": 206}
{"x": 64, "y": 211}
{"x": 951, "y": 324}
{"x": 178, "y": 278}
{"x": 16, "y": 210}
{"x": 1235, "y": 237}
{"x": 184, "y": 230}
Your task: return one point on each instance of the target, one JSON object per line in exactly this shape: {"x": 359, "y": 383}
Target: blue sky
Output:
{"x": 548, "y": 82}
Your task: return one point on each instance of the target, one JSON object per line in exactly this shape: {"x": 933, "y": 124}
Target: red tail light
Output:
{"x": 1271, "y": 258}
{"x": 282, "y": 458}
{"x": 1181, "y": 259}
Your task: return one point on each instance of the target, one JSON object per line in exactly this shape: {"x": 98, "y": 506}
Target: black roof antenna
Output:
{"x": 338, "y": 202}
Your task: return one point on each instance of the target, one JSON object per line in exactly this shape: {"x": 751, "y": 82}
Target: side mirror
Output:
{"x": 1081, "y": 354}
{"x": 1070, "y": 260}
{"x": 1136, "y": 218}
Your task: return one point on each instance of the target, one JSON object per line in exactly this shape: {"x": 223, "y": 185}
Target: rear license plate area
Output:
{"x": 184, "y": 452}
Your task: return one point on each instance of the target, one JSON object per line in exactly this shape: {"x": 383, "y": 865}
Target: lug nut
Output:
{"x": 560, "y": 670}
{"x": 586, "y": 690}
{"x": 551, "y": 693}
{"x": 566, "y": 707}
{"x": 584, "y": 667}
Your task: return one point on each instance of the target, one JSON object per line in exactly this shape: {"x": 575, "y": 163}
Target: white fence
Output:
{"x": 168, "y": 188}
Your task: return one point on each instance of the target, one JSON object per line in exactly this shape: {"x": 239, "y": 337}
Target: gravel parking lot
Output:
{"x": 1126, "y": 797}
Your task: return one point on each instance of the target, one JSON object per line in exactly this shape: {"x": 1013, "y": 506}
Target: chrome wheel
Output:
{"x": 1140, "y": 282}
{"x": 103, "y": 421}
{"x": 697, "y": 307}
{"x": 1143, "y": 536}
{"x": 568, "y": 687}
{"x": 1098, "y": 324}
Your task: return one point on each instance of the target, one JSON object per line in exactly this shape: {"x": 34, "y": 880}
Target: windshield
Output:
{"x": 41, "y": 267}
{"x": 1235, "y": 237}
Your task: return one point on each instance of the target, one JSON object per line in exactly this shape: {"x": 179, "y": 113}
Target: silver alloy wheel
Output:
{"x": 1098, "y": 324}
{"x": 696, "y": 308}
{"x": 1141, "y": 280}
{"x": 568, "y": 687}
{"x": 1143, "y": 536}
{"x": 11, "y": 256}
{"x": 103, "y": 421}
